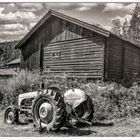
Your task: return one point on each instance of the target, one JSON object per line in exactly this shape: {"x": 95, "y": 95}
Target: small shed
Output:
{"x": 15, "y": 64}
{"x": 7, "y": 73}
{"x": 59, "y": 43}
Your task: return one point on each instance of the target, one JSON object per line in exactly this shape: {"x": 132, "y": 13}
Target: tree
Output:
{"x": 116, "y": 27}
{"x": 9, "y": 53}
{"x": 134, "y": 28}
{"x": 125, "y": 28}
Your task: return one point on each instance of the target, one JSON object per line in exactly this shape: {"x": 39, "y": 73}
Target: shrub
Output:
{"x": 22, "y": 83}
{"x": 111, "y": 100}
{"x": 2, "y": 90}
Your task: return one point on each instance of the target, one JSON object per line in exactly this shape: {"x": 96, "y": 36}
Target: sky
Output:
{"x": 16, "y": 19}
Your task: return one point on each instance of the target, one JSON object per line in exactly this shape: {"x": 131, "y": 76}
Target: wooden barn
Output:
{"x": 59, "y": 43}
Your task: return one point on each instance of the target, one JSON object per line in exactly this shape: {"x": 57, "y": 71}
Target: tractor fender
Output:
{"x": 74, "y": 97}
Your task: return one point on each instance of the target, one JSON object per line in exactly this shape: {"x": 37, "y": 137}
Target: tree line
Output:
{"x": 129, "y": 30}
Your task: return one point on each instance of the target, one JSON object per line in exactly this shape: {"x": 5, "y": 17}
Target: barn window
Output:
{"x": 57, "y": 54}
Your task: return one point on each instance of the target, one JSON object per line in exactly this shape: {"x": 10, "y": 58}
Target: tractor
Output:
{"x": 50, "y": 109}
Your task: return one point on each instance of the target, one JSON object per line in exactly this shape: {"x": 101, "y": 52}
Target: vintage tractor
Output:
{"x": 50, "y": 109}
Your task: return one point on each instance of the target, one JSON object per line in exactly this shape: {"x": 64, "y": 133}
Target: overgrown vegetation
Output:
{"x": 111, "y": 100}
{"x": 8, "y": 52}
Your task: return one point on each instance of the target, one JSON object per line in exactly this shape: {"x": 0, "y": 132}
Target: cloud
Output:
{"x": 59, "y": 6}
{"x": 16, "y": 19}
{"x": 1, "y": 9}
{"x": 12, "y": 27}
{"x": 12, "y": 35}
{"x": 17, "y": 15}
{"x": 83, "y": 8}
{"x": 19, "y": 32}
{"x": 107, "y": 27}
{"x": 71, "y": 6}
{"x": 86, "y": 6}
{"x": 89, "y": 4}
{"x": 119, "y": 6}
{"x": 130, "y": 7}
{"x": 113, "y": 7}
{"x": 30, "y": 5}
{"x": 122, "y": 19}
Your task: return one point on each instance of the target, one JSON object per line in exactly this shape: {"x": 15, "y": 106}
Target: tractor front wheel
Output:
{"x": 11, "y": 115}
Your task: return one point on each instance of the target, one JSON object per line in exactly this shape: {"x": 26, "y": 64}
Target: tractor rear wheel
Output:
{"x": 89, "y": 107}
{"x": 49, "y": 109}
{"x": 85, "y": 110}
{"x": 11, "y": 115}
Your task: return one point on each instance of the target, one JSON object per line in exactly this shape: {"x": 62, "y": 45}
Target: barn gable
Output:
{"x": 64, "y": 17}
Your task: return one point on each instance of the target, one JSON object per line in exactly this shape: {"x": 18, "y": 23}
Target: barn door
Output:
{"x": 41, "y": 57}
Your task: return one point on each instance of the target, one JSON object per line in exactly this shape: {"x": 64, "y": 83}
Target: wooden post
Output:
{"x": 105, "y": 60}
{"x": 41, "y": 57}
{"x": 123, "y": 61}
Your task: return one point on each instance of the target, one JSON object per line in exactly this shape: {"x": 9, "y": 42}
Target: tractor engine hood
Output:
{"x": 27, "y": 96}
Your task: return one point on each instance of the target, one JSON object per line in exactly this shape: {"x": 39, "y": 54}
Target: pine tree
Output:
{"x": 125, "y": 28}
{"x": 134, "y": 28}
{"x": 116, "y": 27}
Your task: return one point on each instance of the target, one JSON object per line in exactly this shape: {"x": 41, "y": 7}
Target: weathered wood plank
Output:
{"x": 114, "y": 51}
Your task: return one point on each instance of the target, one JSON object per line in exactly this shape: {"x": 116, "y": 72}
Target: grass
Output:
{"x": 116, "y": 128}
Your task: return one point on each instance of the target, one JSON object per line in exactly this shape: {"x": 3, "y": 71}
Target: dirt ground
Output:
{"x": 118, "y": 128}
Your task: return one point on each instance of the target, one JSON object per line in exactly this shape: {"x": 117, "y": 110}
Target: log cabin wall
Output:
{"x": 131, "y": 60}
{"x": 66, "y": 48}
{"x": 114, "y": 56}
{"x": 78, "y": 57}
{"x": 122, "y": 59}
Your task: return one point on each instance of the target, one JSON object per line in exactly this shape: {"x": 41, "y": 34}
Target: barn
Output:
{"x": 59, "y": 43}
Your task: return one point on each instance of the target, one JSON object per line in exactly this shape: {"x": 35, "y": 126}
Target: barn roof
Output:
{"x": 7, "y": 72}
{"x": 67, "y": 18}
{"x": 16, "y": 61}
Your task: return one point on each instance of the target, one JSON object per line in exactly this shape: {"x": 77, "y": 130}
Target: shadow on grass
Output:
{"x": 79, "y": 131}
{"x": 76, "y": 132}
{"x": 102, "y": 124}
{"x": 22, "y": 123}
{"x": 70, "y": 132}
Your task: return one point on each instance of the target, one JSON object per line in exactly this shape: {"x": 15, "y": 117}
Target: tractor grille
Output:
{"x": 26, "y": 103}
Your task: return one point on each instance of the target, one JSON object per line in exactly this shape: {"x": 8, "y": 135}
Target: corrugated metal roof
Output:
{"x": 7, "y": 72}
{"x": 16, "y": 61}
